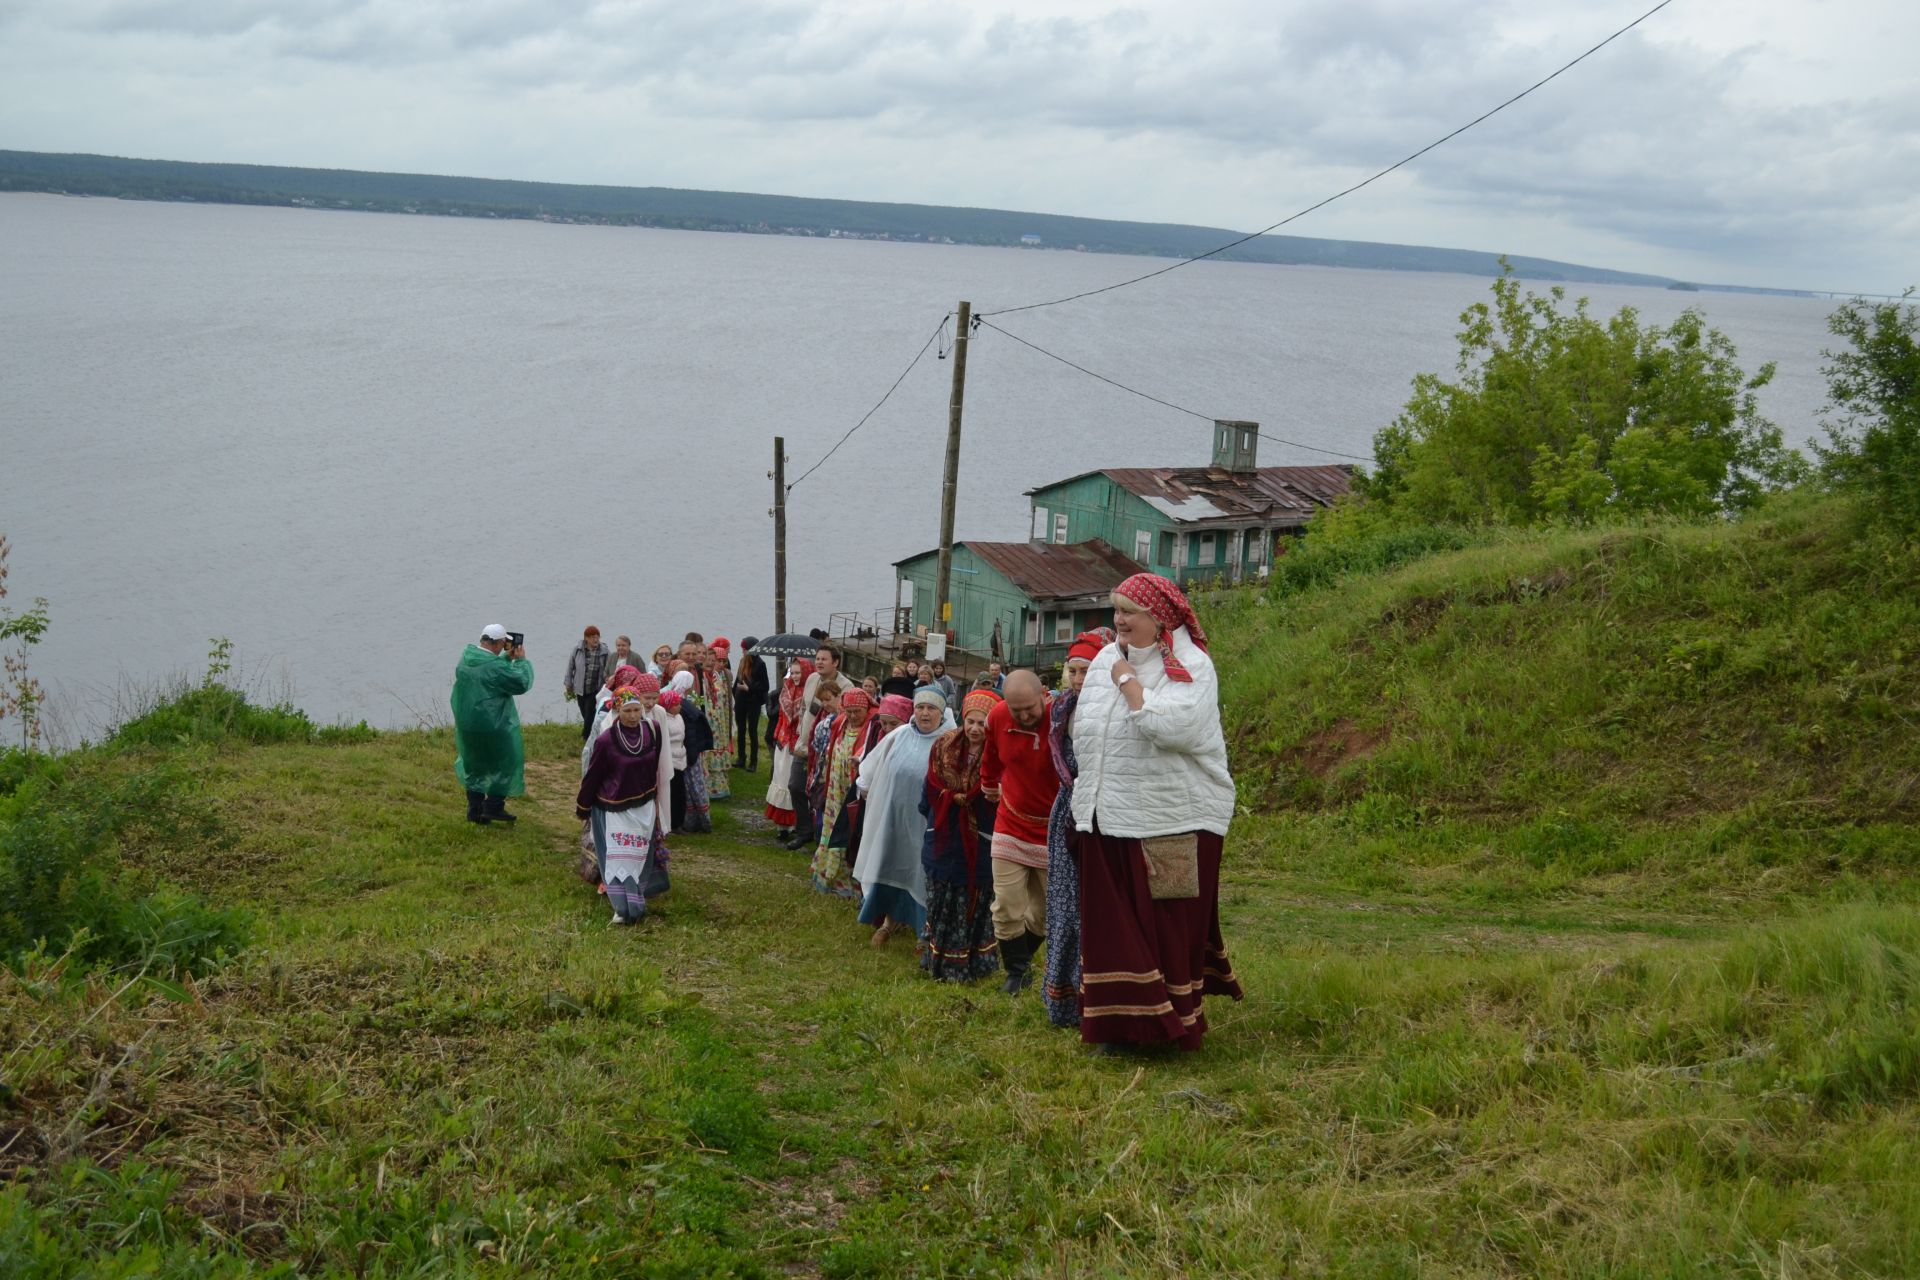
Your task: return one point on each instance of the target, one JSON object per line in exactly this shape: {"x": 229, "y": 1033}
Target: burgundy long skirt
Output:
{"x": 1145, "y": 963}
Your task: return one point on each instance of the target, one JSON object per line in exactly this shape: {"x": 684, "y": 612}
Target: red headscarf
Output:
{"x": 843, "y": 726}
{"x": 1165, "y": 603}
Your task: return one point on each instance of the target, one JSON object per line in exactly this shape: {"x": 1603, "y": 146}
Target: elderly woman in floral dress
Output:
{"x": 850, "y": 735}
{"x": 1151, "y": 807}
{"x": 716, "y": 685}
{"x": 957, "y": 944}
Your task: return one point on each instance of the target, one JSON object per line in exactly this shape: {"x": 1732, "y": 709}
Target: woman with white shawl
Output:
{"x": 893, "y": 777}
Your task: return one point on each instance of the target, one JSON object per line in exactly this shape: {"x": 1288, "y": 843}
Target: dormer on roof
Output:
{"x": 1236, "y": 446}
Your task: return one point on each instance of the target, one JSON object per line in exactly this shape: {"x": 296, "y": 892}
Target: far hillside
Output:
{"x": 673, "y": 207}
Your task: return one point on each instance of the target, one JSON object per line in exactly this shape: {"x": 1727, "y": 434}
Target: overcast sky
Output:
{"x": 1739, "y": 141}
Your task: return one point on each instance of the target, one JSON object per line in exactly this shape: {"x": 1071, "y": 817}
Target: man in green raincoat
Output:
{"x": 486, "y": 725}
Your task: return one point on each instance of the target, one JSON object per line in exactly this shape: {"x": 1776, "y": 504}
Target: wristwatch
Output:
{"x": 1123, "y": 679}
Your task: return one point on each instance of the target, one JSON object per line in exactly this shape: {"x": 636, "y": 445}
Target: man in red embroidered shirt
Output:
{"x": 1017, "y": 774}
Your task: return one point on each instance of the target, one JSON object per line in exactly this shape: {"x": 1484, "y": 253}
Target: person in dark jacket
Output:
{"x": 592, "y": 662}
{"x": 750, "y": 690}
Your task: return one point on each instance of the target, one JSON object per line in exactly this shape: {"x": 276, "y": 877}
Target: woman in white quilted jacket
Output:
{"x": 1150, "y": 813}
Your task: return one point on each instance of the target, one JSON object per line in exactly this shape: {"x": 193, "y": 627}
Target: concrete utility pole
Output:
{"x": 949, "y": 488}
{"x": 780, "y": 535}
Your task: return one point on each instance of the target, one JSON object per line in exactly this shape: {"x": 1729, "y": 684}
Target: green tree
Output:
{"x": 1873, "y": 420}
{"x": 1558, "y": 416}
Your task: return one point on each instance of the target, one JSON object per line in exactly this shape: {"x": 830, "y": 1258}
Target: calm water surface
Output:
{"x": 347, "y": 441}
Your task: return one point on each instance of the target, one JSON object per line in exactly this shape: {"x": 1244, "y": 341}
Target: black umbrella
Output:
{"x": 789, "y": 645}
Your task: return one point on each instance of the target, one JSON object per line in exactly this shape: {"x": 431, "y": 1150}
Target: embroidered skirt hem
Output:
{"x": 1147, "y": 962}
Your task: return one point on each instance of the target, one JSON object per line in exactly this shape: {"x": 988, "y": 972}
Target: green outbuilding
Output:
{"x": 1019, "y": 602}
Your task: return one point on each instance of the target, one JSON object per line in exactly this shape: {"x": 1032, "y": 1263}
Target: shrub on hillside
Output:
{"x": 1874, "y": 446}
{"x": 1332, "y": 551}
{"x": 64, "y": 883}
{"x": 1559, "y": 416}
{"x": 213, "y": 713}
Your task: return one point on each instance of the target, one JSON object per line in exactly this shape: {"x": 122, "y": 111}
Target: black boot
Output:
{"x": 1017, "y": 955}
{"x": 476, "y": 808}
{"x": 497, "y": 809}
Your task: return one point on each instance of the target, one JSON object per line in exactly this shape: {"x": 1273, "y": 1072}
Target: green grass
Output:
{"x": 1494, "y": 1026}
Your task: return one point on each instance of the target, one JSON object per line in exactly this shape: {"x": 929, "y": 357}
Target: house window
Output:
{"x": 1060, "y": 527}
{"x": 1256, "y": 545}
{"x": 1166, "y": 548}
{"x": 1063, "y": 628}
{"x": 1039, "y": 524}
{"x": 1206, "y": 549}
{"x": 1033, "y": 628}
{"x": 1246, "y": 441}
{"x": 1142, "y": 545}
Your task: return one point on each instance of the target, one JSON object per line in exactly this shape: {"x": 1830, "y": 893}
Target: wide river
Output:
{"x": 347, "y": 441}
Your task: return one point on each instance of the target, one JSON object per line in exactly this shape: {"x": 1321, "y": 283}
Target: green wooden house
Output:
{"x": 1021, "y": 602}
{"x": 1227, "y": 520}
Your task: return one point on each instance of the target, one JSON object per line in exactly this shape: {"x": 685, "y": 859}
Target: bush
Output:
{"x": 65, "y": 885}
{"x": 1559, "y": 416}
{"x": 1874, "y": 389}
{"x": 214, "y": 713}
{"x": 1325, "y": 555}
{"x": 18, "y": 766}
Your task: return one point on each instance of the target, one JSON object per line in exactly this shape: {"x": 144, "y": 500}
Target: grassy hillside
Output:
{"x": 1735, "y": 706}
{"x": 1563, "y": 958}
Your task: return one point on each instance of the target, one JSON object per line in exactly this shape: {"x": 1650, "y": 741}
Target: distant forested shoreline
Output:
{"x": 742, "y": 212}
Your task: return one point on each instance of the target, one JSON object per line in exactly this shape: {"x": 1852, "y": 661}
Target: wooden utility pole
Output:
{"x": 949, "y": 488}
{"x": 780, "y": 535}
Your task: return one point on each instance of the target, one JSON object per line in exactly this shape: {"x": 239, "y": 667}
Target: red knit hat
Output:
{"x": 1088, "y": 644}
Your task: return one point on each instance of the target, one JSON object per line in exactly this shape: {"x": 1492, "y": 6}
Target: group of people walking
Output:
{"x": 1012, "y": 827}
{"x": 1072, "y": 835}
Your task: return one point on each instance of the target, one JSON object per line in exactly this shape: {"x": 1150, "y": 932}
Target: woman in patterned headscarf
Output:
{"x": 1150, "y": 807}
{"x": 957, "y": 944}
{"x": 621, "y": 796}
{"x": 850, "y": 736}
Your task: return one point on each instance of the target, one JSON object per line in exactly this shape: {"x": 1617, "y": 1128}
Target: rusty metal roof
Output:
{"x": 1276, "y": 495}
{"x": 1059, "y": 571}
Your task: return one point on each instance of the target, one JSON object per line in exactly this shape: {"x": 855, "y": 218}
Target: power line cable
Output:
{"x": 1401, "y": 163}
{"x": 917, "y": 357}
{"x": 1205, "y": 417}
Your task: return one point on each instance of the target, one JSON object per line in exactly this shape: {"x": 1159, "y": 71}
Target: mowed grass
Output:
{"x": 440, "y": 1060}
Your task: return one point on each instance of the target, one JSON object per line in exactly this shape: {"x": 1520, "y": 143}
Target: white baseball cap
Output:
{"x": 493, "y": 631}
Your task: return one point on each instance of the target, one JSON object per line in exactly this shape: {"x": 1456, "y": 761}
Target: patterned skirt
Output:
{"x": 1060, "y": 985}
{"x": 957, "y": 944}
{"x": 833, "y": 859}
{"x": 719, "y": 764}
{"x": 698, "y": 803}
{"x": 1147, "y": 961}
